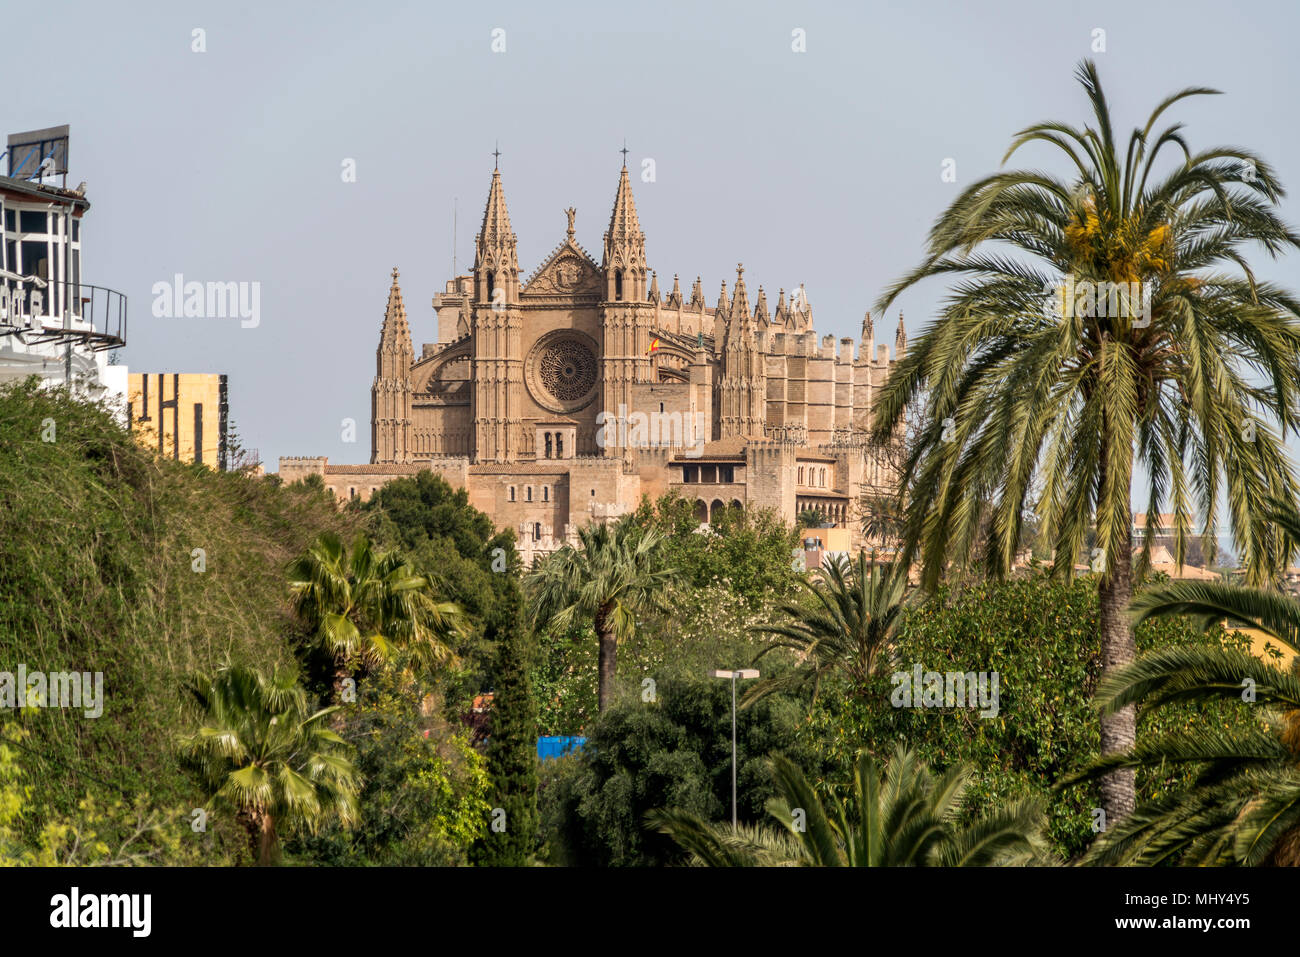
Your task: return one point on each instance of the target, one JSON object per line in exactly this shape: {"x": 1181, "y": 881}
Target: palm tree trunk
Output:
{"x": 342, "y": 675}
{"x": 266, "y": 841}
{"x": 608, "y": 658}
{"x": 1118, "y": 648}
{"x": 261, "y": 835}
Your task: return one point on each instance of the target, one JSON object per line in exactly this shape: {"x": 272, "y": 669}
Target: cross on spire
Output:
{"x": 624, "y": 152}
{"x": 496, "y": 156}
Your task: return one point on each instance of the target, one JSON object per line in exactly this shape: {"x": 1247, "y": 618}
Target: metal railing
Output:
{"x": 59, "y": 311}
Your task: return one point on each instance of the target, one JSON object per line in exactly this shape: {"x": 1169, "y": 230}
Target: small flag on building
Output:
{"x": 654, "y": 347}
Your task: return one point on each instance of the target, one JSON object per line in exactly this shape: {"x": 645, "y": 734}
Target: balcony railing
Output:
{"x": 57, "y": 312}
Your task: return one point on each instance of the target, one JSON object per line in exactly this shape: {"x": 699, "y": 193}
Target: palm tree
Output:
{"x": 616, "y": 574}
{"x": 1243, "y": 807}
{"x": 361, "y": 606}
{"x": 264, "y": 755}
{"x": 848, "y": 628}
{"x": 908, "y": 819}
{"x": 1243, "y": 804}
{"x": 1027, "y": 384}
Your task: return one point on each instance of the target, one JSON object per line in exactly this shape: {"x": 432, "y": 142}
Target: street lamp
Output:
{"x": 733, "y": 675}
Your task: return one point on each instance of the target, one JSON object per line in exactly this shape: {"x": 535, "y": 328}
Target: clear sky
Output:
{"x": 821, "y": 167}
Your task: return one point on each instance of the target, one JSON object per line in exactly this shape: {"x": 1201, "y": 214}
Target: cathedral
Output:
{"x": 567, "y": 396}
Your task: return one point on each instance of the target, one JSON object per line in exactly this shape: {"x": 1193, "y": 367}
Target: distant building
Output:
{"x": 52, "y": 324}
{"x": 563, "y": 397}
{"x": 181, "y": 414}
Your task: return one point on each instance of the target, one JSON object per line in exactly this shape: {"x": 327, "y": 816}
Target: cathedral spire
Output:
{"x": 781, "y": 316}
{"x": 395, "y": 334}
{"x": 697, "y": 294}
{"x": 739, "y": 302}
{"x": 675, "y": 297}
{"x": 624, "y": 258}
{"x": 496, "y": 218}
{"x": 868, "y": 328}
{"x": 654, "y": 286}
{"x": 760, "y": 309}
{"x": 390, "y": 393}
{"x": 496, "y": 262}
{"x": 900, "y": 339}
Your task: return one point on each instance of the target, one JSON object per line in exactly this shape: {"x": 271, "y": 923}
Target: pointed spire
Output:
{"x": 740, "y": 301}
{"x": 496, "y": 218}
{"x": 724, "y": 304}
{"x": 395, "y": 334}
{"x": 654, "y": 286}
{"x": 760, "y": 308}
{"x": 675, "y": 297}
{"x": 697, "y": 294}
{"x": 900, "y": 338}
{"x": 781, "y": 316}
{"x": 623, "y": 223}
{"x": 868, "y": 328}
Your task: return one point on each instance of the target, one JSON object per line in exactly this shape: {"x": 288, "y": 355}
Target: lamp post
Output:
{"x": 733, "y": 675}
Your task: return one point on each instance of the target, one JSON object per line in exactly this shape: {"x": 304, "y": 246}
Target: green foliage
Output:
{"x": 617, "y": 574}
{"x": 263, "y": 754}
{"x": 1029, "y": 411}
{"x": 362, "y": 606}
{"x": 672, "y": 752}
{"x": 512, "y": 745}
{"x": 457, "y": 548}
{"x": 905, "y": 817}
{"x": 141, "y": 833}
{"x": 746, "y": 551}
{"x": 97, "y": 573}
{"x": 844, "y": 625}
{"x": 424, "y": 801}
{"x": 1040, "y": 637}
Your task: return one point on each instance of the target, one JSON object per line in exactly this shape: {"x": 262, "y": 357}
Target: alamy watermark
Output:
{"x": 651, "y": 430}
{"x": 919, "y": 688}
{"x": 179, "y": 299}
{"x": 54, "y": 689}
{"x": 1101, "y": 300}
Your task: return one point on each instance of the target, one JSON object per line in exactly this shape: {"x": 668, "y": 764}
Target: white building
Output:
{"x": 52, "y": 324}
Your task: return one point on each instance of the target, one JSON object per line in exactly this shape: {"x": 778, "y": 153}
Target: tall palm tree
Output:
{"x": 1243, "y": 804}
{"x": 848, "y": 627}
{"x": 616, "y": 573}
{"x": 267, "y": 757}
{"x": 907, "y": 819}
{"x": 362, "y": 605}
{"x": 1243, "y": 807}
{"x": 1027, "y": 385}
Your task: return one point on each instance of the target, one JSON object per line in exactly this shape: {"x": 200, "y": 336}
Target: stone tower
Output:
{"x": 390, "y": 393}
{"x": 497, "y": 323}
{"x": 628, "y": 315}
{"x": 742, "y": 386}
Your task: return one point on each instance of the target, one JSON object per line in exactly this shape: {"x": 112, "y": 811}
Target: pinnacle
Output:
{"x": 623, "y": 221}
{"x": 496, "y": 218}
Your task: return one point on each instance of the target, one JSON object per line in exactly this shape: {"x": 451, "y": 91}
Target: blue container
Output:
{"x": 554, "y": 746}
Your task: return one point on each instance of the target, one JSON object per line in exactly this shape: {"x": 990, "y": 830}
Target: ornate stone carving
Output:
{"x": 562, "y": 370}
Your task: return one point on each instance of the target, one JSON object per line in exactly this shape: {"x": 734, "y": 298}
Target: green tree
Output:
{"x": 673, "y": 751}
{"x": 512, "y": 741}
{"x": 1026, "y": 386}
{"x": 424, "y": 801}
{"x": 361, "y": 606}
{"x": 907, "y": 818}
{"x": 265, "y": 756}
{"x": 616, "y": 574}
{"x": 1244, "y": 804}
{"x": 848, "y": 627}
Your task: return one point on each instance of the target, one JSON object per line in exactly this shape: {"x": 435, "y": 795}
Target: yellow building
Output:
{"x": 181, "y": 414}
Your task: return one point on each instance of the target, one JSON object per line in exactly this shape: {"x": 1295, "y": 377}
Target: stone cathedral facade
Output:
{"x": 566, "y": 396}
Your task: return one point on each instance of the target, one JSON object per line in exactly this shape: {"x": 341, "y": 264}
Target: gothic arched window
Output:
{"x": 548, "y": 445}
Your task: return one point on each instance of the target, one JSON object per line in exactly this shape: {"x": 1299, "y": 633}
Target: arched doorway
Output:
{"x": 701, "y": 511}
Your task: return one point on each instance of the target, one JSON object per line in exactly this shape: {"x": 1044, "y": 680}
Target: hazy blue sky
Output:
{"x": 820, "y": 167}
